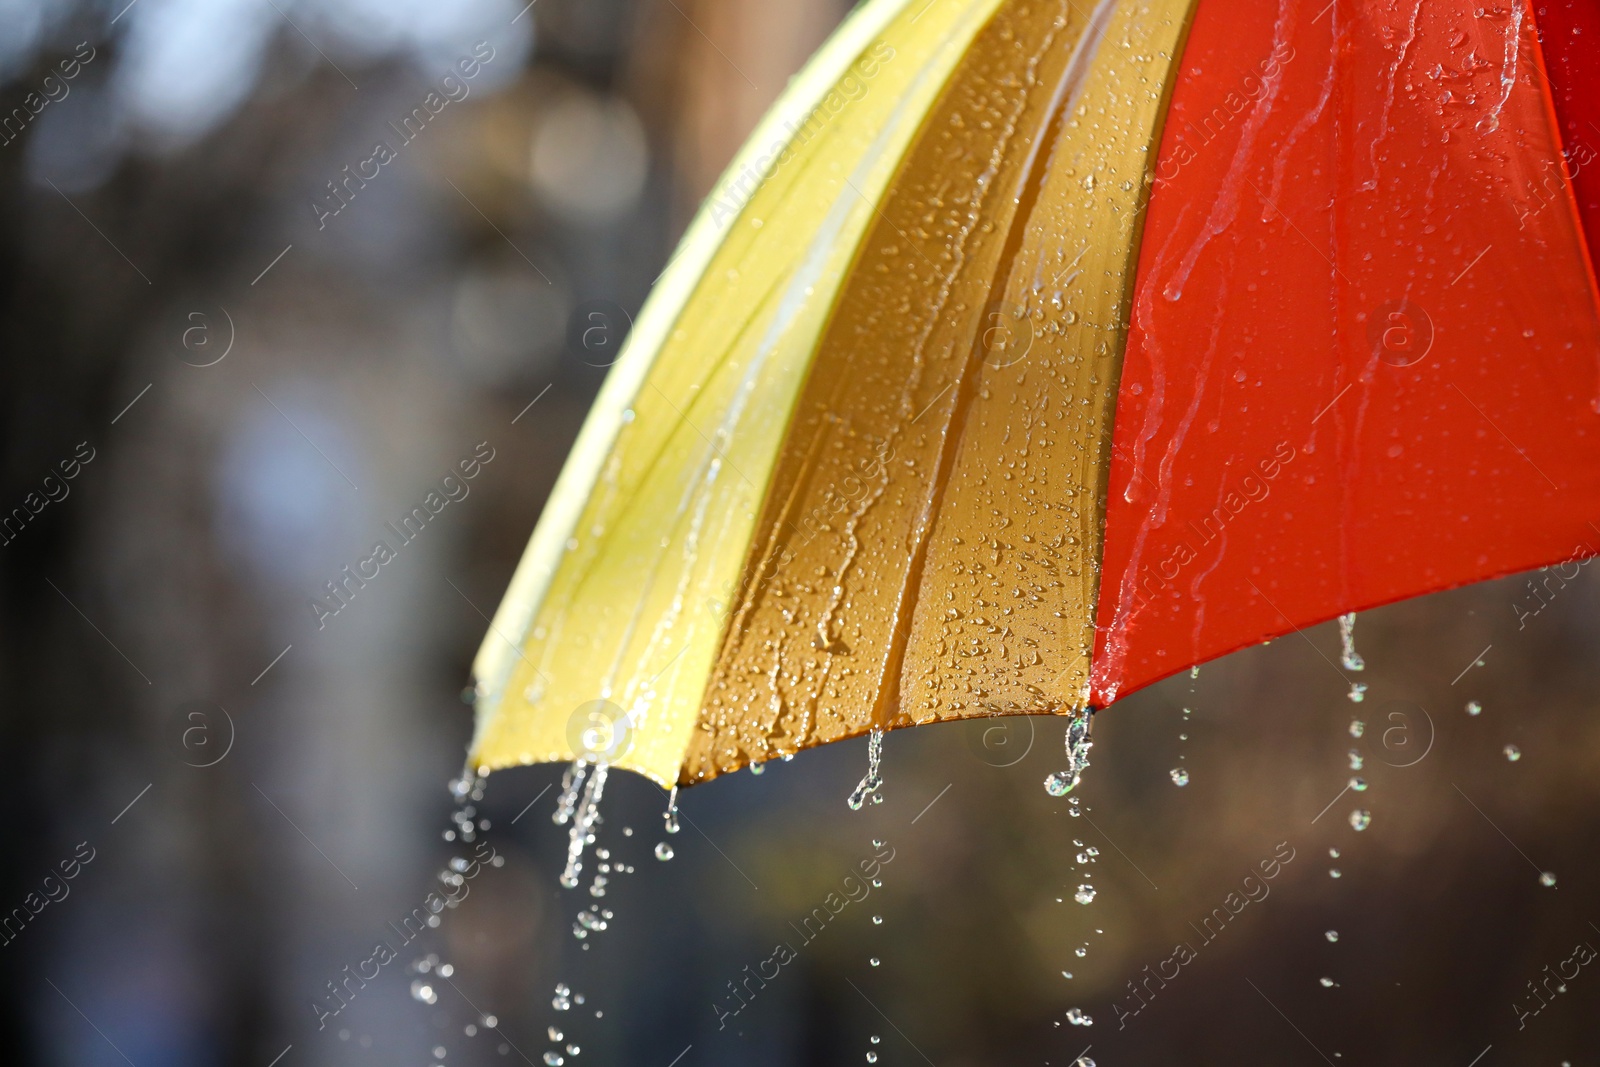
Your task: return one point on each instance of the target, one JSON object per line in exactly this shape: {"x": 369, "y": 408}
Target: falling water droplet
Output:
{"x": 1360, "y": 819}
{"x": 1180, "y": 777}
{"x": 872, "y": 1057}
{"x": 1084, "y": 895}
{"x": 424, "y": 992}
{"x": 663, "y": 852}
{"x": 1060, "y": 783}
{"x": 1513, "y": 753}
{"x": 1547, "y": 879}
{"x": 1333, "y": 872}
{"x": 671, "y": 815}
{"x": 554, "y": 1059}
{"x": 874, "y": 961}
{"x": 872, "y": 781}
{"x": 1083, "y": 1061}
{"x": 1066, "y": 974}
{"x": 1357, "y": 727}
{"x": 1327, "y": 983}
{"x": 1081, "y": 951}
{"x": 1348, "y": 656}
{"x": 1355, "y": 760}
{"x": 1358, "y": 692}
{"x": 1079, "y": 1017}
{"x": 1474, "y": 708}
{"x": 877, "y": 920}
{"x": 1358, "y": 784}
{"x": 554, "y": 1034}
{"x": 758, "y": 768}
{"x": 563, "y": 998}
{"x": 1332, "y": 935}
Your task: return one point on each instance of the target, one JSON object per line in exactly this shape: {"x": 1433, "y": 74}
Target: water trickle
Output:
{"x": 671, "y": 816}
{"x": 664, "y": 852}
{"x": 584, "y": 815}
{"x": 872, "y": 782}
{"x": 1474, "y": 708}
{"x": 1060, "y": 783}
{"x": 1348, "y": 656}
{"x": 1360, "y": 819}
{"x": 1180, "y": 777}
{"x": 1513, "y": 753}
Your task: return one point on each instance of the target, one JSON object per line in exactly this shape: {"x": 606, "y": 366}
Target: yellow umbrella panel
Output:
{"x": 823, "y": 491}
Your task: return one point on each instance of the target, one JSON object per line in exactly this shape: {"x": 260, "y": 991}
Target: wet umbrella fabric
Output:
{"x": 1032, "y": 352}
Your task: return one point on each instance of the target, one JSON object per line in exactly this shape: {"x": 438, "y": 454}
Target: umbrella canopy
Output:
{"x": 1033, "y": 351}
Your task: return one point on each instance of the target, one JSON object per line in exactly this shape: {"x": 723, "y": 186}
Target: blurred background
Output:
{"x": 232, "y": 355}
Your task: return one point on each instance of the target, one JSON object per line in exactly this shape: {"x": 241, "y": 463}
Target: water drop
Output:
{"x": 554, "y": 1059}
{"x": 1084, "y": 895}
{"x": 562, "y": 1001}
{"x": 424, "y": 992}
{"x": 758, "y": 768}
{"x": 877, "y": 920}
{"x": 1327, "y": 983}
{"x": 1360, "y": 819}
{"x": 671, "y": 816}
{"x": 1357, "y": 727}
{"x": 1080, "y": 952}
{"x": 1060, "y": 783}
{"x": 1066, "y": 974}
{"x": 1348, "y": 656}
{"x": 872, "y": 781}
{"x": 664, "y": 852}
{"x": 1358, "y": 692}
{"x": 1083, "y": 1061}
{"x": 1547, "y": 879}
{"x": 1333, "y": 872}
{"x": 1474, "y": 708}
{"x": 1332, "y": 935}
{"x": 1358, "y": 784}
{"x": 1180, "y": 777}
{"x": 872, "y": 1057}
{"x": 1355, "y": 760}
{"x": 1513, "y": 753}
{"x": 573, "y": 1050}
{"x": 1079, "y": 1017}
{"x": 874, "y": 961}
{"x": 554, "y": 1034}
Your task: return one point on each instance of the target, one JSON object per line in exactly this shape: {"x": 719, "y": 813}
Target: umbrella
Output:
{"x": 1030, "y": 352}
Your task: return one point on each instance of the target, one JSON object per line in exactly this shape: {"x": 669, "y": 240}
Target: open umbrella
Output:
{"x": 1034, "y": 350}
